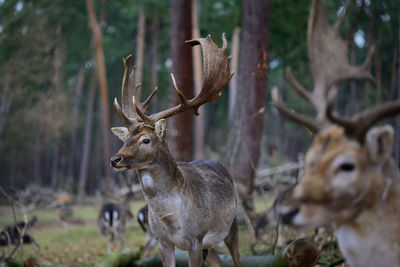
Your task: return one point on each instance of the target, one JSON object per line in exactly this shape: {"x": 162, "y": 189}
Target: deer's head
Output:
{"x": 341, "y": 176}
{"x": 144, "y": 138}
{"x": 140, "y": 145}
{"x": 343, "y": 167}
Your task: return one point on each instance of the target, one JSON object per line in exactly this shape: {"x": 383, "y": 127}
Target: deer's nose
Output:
{"x": 287, "y": 215}
{"x": 115, "y": 160}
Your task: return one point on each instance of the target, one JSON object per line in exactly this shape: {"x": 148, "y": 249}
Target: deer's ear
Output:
{"x": 161, "y": 128}
{"x": 379, "y": 141}
{"x": 120, "y": 132}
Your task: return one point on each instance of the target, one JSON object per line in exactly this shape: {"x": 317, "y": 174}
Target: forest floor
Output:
{"x": 83, "y": 245}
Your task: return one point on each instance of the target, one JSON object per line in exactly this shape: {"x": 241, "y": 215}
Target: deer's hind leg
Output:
{"x": 213, "y": 259}
{"x": 232, "y": 242}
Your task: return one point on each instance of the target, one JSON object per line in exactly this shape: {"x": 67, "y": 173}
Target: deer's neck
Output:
{"x": 162, "y": 176}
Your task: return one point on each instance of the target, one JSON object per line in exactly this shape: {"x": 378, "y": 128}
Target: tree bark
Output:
{"x": 200, "y": 121}
{"x": 181, "y": 126}
{"x": 57, "y": 81}
{"x": 5, "y": 104}
{"x": 140, "y": 48}
{"x": 154, "y": 28}
{"x": 102, "y": 76}
{"x": 74, "y": 123}
{"x": 87, "y": 138}
{"x": 233, "y": 84}
{"x": 245, "y": 134}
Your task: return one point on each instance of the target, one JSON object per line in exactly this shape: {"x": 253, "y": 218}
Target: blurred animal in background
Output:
{"x": 151, "y": 241}
{"x": 11, "y": 234}
{"x": 350, "y": 181}
{"x": 268, "y": 221}
{"x": 63, "y": 202}
{"x": 111, "y": 223}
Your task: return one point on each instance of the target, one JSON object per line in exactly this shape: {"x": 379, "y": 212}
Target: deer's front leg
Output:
{"x": 167, "y": 253}
{"x": 196, "y": 253}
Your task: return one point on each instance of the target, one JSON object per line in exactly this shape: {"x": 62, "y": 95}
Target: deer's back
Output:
{"x": 207, "y": 179}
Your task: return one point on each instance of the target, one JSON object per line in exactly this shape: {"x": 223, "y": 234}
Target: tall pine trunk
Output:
{"x": 140, "y": 48}
{"x": 233, "y": 84}
{"x": 200, "y": 121}
{"x": 86, "y": 144}
{"x": 245, "y": 135}
{"x": 57, "y": 81}
{"x": 74, "y": 124}
{"x": 102, "y": 76}
{"x": 181, "y": 126}
{"x": 154, "y": 29}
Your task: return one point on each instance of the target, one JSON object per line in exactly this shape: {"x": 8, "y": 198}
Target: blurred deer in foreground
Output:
{"x": 151, "y": 241}
{"x": 350, "y": 180}
{"x": 192, "y": 205}
{"x": 111, "y": 223}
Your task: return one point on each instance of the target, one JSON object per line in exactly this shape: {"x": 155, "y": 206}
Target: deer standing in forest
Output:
{"x": 192, "y": 205}
{"x": 111, "y": 223}
{"x": 350, "y": 180}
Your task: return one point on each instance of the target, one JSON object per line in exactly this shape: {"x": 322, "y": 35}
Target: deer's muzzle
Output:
{"x": 115, "y": 160}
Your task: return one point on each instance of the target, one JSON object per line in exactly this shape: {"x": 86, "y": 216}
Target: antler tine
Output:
{"x": 179, "y": 92}
{"x": 121, "y": 112}
{"x": 216, "y": 77}
{"x": 128, "y": 89}
{"x": 328, "y": 52}
{"x": 341, "y": 17}
{"x": 309, "y": 123}
{"x": 146, "y": 103}
{"x": 128, "y": 113}
{"x": 146, "y": 120}
{"x": 358, "y": 125}
{"x": 298, "y": 87}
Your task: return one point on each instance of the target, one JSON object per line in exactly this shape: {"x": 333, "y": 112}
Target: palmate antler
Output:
{"x": 128, "y": 90}
{"x": 216, "y": 77}
{"x": 328, "y": 54}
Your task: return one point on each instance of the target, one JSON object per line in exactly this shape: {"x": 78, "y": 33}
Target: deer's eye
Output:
{"x": 146, "y": 141}
{"x": 347, "y": 167}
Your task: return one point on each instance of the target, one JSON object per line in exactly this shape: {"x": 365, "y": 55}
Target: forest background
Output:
{"x": 61, "y": 68}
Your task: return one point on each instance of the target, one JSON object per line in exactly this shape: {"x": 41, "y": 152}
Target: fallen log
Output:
{"x": 120, "y": 259}
{"x": 300, "y": 253}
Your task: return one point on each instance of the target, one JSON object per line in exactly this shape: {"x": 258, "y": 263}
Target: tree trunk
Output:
{"x": 38, "y": 164}
{"x": 181, "y": 126}
{"x": 57, "y": 81}
{"x": 5, "y": 104}
{"x": 140, "y": 48}
{"x": 74, "y": 124}
{"x": 87, "y": 138}
{"x": 200, "y": 121}
{"x": 233, "y": 84}
{"x": 245, "y": 134}
{"x": 397, "y": 119}
{"x": 102, "y": 76}
{"x": 154, "y": 29}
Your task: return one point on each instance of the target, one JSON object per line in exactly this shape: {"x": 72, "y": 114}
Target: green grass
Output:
{"x": 83, "y": 245}
{"x": 72, "y": 244}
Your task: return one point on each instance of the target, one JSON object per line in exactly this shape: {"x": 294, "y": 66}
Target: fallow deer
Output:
{"x": 151, "y": 241}
{"x": 192, "y": 205}
{"x": 350, "y": 181}
{"x": 111, "y": 223}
